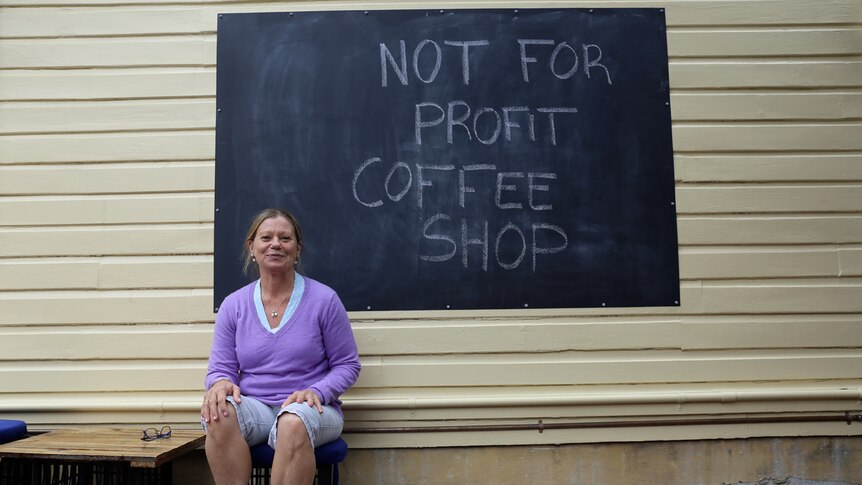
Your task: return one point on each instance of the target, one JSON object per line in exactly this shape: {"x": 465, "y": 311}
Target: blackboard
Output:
{"x": 453, "y": 159}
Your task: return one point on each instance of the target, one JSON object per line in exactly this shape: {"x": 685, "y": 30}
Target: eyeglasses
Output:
{"x": 152, "y": 434}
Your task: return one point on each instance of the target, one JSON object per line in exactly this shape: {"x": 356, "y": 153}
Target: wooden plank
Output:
{"x": 757, "y": 331}
{"x": 766, "y": 106}
{"x": 157, "y": 272}
{"x": 167, "y": 16}
{"x": 504, "y": 370}
{"x": 739, "y": 137}
{"x": 164, "y": 114}
{"x": 753, "y": 334}
{"x": 198, "y": 51}
{"x": 736, "y": 230}
{"x": 58, "y": 210}
{"x": 742, "y": 42}
{"x": 104, "y": 376}
{"x": 754, "y": 262}
{"x": 835, "y": 296}
{"x": 108, "y": 147}
{"x": 108, "y": 241}
{"x": 827, "y": 167}
{"x": 743, "y": 12}
{"x": 498, "y": 337}
{"x": 109, "y": 20}
{"x": 105, "y": 178}
{"x": 107, "y": 84}
{"x": 39, "y": 273}
{"x": 111, "y": 307}
{"x": 742, "y": 199}
{"x": 616, "y": 370}
{"x": 850, "y": 261}
{"x": 748, "y": 74}
{"x": 100, "y": 342}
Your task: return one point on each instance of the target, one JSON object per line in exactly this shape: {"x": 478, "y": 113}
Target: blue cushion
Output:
{"x": 11, "y": 430}
{"x": 328, "y": 454}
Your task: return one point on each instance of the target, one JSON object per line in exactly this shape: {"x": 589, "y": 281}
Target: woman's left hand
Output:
{"x": 305, "y": 396}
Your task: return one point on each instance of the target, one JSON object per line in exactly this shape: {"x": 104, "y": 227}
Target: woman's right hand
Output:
{"x": 215, "y": 399}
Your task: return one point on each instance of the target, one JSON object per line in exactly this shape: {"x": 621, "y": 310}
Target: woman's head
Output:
{"x": 261, "y": 243}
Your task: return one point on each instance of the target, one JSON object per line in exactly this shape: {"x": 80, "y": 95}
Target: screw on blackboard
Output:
{"x": 526, "y": 305}
{"x": 216, "y": 309}
{"x": 441, "y": 11}
{"x": 591, "y": 10}
{"x": 218, "y": 110}
{"x": 676, "y": 302}
{"x": 447, "y": 307}
{"x": 368, "y": 307}
{"x": 291, "y": 14}
{"x": 672, "y": 203}
{"x": 220, "y": 16}
{"x": 366, "y": 12}
{"x": 516, "y": 12}
{"x": 217, "y": 209}
{"x": 603, "y": 303}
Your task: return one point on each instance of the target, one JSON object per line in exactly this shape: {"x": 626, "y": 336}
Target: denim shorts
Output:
{"x": 258, "y": 422}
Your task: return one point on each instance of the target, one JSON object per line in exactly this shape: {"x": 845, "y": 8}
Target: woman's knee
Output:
{"x": 223, "y": 427}
{"x": 291, "y": 430}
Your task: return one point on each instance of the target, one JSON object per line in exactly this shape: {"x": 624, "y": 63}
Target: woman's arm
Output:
{"x": 223, "y": 366}
{"x": 341, "y": 352}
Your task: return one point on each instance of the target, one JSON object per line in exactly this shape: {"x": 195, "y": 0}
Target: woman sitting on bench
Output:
{"x": 285, "y": 341}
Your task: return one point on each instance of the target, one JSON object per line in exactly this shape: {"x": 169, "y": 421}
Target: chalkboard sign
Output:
{"x": 453, "y": 159}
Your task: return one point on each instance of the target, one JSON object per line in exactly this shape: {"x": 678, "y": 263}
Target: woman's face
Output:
{"x": 275, "y": 246}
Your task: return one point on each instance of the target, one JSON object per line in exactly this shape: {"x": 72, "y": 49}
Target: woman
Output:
{"x": 282, "y": 353}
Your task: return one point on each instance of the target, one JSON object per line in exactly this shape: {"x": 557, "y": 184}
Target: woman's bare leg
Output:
{"x": 294, "y": 456}
{"x": 227, "y": 452}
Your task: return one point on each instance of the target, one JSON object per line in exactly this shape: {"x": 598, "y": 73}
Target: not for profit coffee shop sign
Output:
{"x": 456, "y": 159}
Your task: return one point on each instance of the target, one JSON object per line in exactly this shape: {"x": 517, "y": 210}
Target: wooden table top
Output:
{"x": 105, "y": 444}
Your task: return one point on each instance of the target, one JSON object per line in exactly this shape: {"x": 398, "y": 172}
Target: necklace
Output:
{"x": 274, "y": 313}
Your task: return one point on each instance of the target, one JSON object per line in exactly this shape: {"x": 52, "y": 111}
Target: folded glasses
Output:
{"x": 152, "y": 434}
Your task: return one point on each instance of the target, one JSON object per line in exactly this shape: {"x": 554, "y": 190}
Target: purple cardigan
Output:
{"x": 314, "y": 350}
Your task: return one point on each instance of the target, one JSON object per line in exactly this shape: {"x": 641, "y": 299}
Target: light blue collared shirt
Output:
{"x": 295, "y": 297}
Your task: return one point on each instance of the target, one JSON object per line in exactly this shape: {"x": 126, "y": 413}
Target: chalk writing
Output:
{"x": 458, "y": 122}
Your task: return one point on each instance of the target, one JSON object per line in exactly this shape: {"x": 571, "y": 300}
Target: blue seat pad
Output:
{"x": 328, "y": 454}
{"x": 12, "y": 429}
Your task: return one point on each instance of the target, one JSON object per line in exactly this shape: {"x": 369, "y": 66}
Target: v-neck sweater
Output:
{"x": 314, "y": 349}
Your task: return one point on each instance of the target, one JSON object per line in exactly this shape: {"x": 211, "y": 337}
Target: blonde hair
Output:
{"x": 249, "y": 267}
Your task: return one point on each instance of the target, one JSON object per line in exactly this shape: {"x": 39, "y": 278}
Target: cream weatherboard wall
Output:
{"x": 107, "y": 136}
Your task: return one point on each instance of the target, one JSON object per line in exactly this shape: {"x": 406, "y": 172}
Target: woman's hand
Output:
{"x": 215, "y": 399}
{"x": 305, "y": 396}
